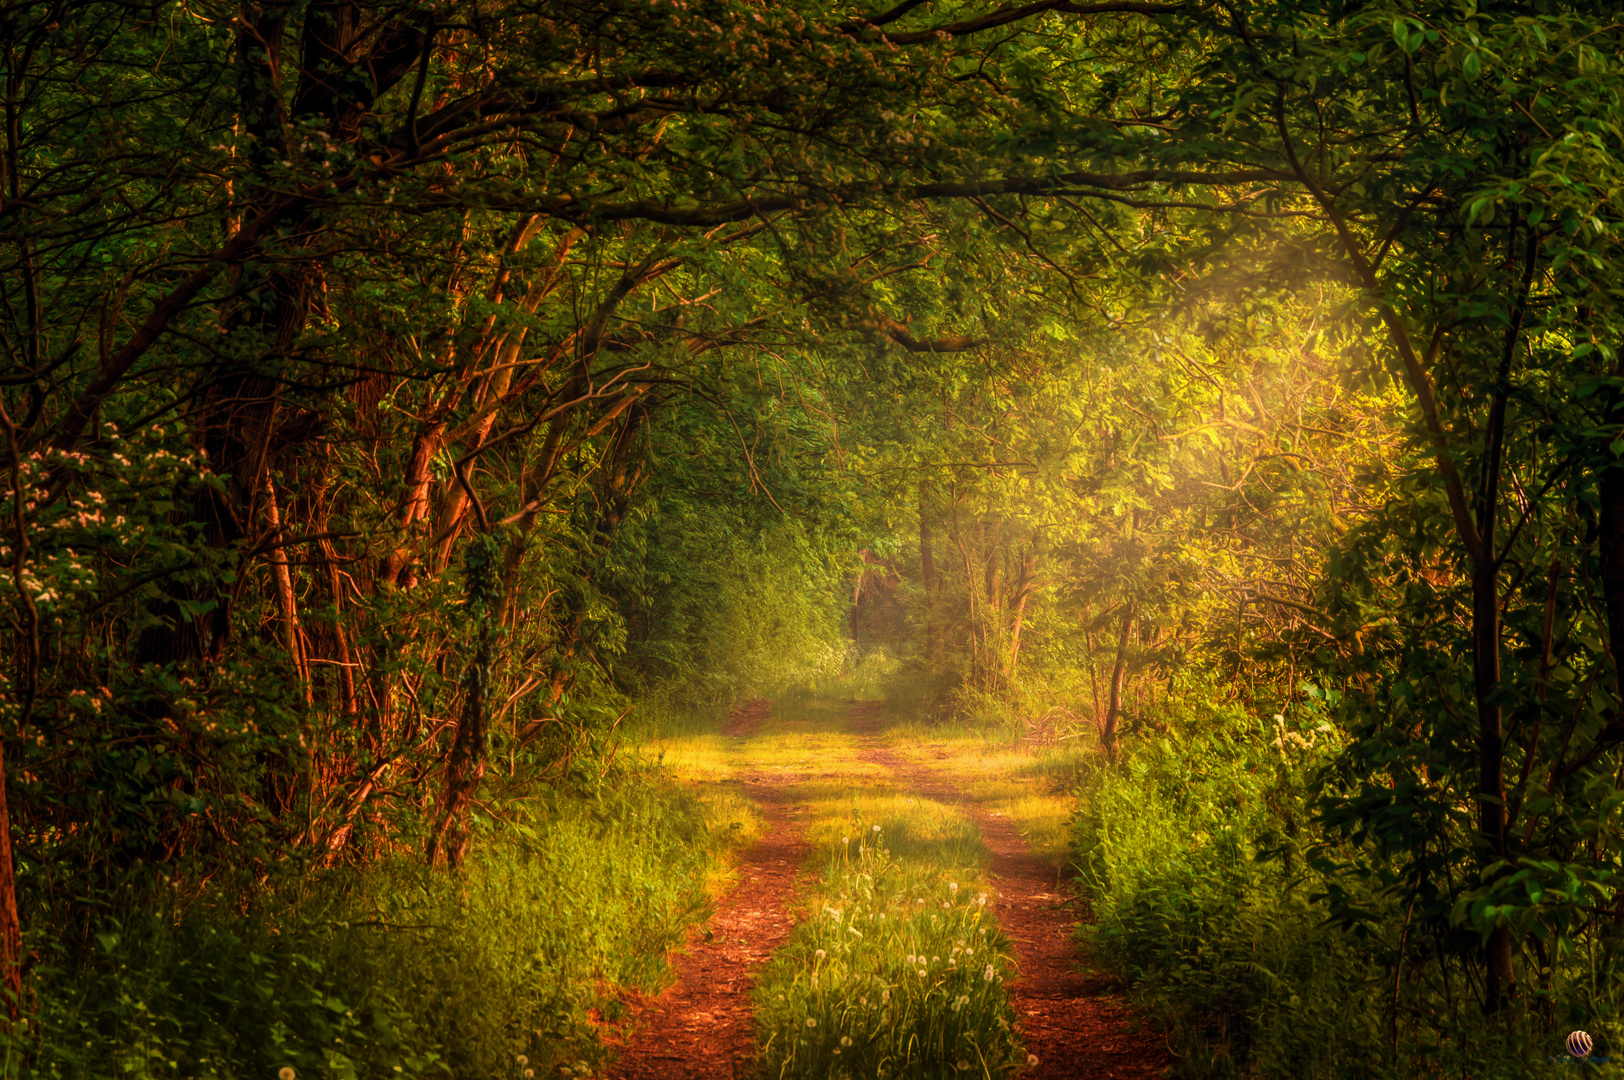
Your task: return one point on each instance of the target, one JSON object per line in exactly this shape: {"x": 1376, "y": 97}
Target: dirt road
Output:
{"x": 1076, "y": 1024}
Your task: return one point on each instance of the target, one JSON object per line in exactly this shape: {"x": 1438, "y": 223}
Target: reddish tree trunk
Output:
{"x": 11, "y": 938}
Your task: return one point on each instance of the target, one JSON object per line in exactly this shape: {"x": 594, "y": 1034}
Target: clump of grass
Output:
{"x": 899, "y": 973}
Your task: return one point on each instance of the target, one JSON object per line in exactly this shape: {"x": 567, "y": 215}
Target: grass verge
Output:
{"x": 1196, "y": 851}
{"x": 391, "y": 971}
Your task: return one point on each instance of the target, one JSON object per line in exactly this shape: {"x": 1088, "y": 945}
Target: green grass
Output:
{"x": 899, "y": 968}
{"x": 391, "y": 971}
{"x": 1004, "y": 776}
{"x": 1193, "y": 852}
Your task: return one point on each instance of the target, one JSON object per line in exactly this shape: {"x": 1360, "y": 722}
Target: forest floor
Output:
{"x": 805, "y": 766}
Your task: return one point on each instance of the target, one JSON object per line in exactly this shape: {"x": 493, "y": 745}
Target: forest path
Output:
{"x": 700, "y": 1029}
{"x": 1076, "y": 1024}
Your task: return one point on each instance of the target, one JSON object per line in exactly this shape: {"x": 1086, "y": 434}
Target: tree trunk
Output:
{"x": 287, "y": 602}
{"x": 1023, "y": 592}
{"x": 10, "y": 924}
{"x": 1109, "y": 733}
{"x": 1610, "y": 543}
{"x": 927, "y": 573}
{"x": 11, "y": 939}
{"x": 1491, "y": 765}
{"x": 465, "y": 764}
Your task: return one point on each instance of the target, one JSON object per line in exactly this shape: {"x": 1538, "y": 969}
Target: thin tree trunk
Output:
{"x": 927, "y": 571}
{"x": 346, "y": 668}
{"x": 1491, "y": 763}
{"x": 1108, "y": 735}
{"x": 11, "y": 948}
{"x": 1500, "y": 985}
{"x": 1023, "y": 592}
{"x": 465, "y": 764}
{"x": 1093, "y": 668}
{"x": 11, "y": 938}
{"x": 286, "y": 600}
{"x": 1610, "y": 544}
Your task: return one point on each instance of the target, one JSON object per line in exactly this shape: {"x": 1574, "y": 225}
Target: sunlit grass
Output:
{"x": 392, "y": 970}
{"x": 899, "y": 969}
{"x": 845, "y": 997}
{"x": 1030, "y": 785}
{"x": 808, "y": 739}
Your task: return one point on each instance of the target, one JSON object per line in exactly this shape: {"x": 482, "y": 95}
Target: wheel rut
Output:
{"x": 1077, "y": 1025}
{"x": 701, "y": 1028}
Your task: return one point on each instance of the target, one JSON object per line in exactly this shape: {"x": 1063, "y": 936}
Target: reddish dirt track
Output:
{"x": 1077, "y": 1025}
{"x": 700, "y": 1029}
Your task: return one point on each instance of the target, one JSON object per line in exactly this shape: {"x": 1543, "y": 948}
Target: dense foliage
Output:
{"x": 396, "y": 394}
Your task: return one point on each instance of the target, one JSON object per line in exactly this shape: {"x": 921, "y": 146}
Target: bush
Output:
{"x": 1225, "y": 944}
{"x": 1210, "y": 893}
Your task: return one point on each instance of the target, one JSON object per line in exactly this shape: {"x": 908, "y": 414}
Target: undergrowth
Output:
{"x": 388, "y": 971}
{"x": 900, "y": 972}
{"x": 1197, "y": 851}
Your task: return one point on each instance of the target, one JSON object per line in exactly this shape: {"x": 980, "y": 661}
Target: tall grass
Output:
{"x": 388, "y": 971}
{"x": 1196, "y": 853}
{"x": 899, "y": 972}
